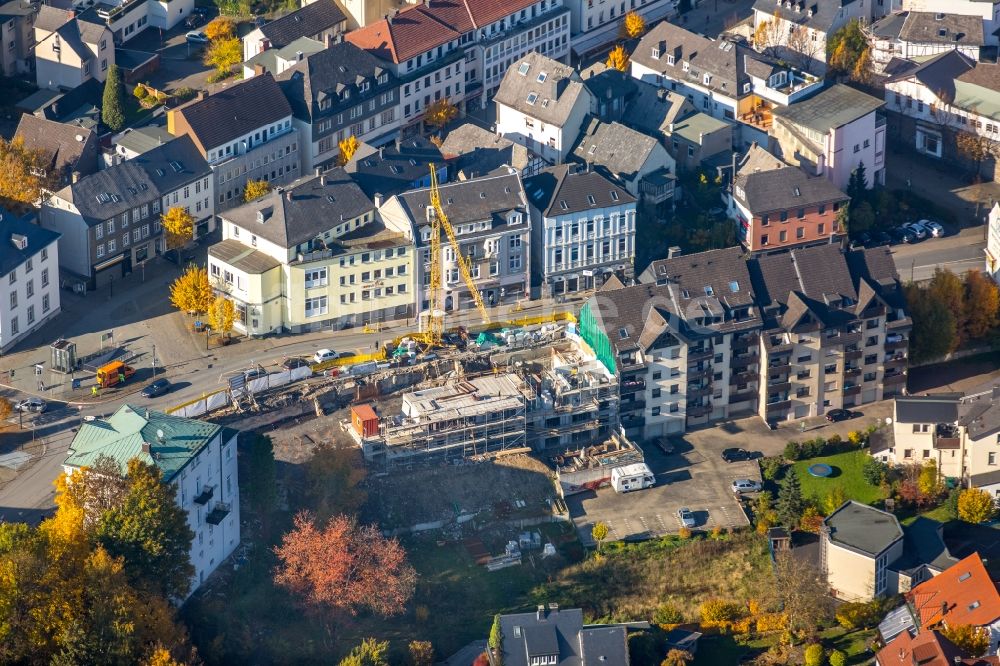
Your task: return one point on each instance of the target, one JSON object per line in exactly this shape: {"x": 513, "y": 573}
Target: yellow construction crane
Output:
{"x": 435, "y": 315}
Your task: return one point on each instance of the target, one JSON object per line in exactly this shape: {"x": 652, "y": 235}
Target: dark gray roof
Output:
{"x": 562, "y": 190}
{"x": 478, "y": 151}
{"x": 783, "y": 188}
{"x": 617, "y": 148}
{"x": 69, "y": 146}
{"x": 890, "y": 25}
{"x": 939, "y": 408}
{"x": 393, "y": 168}
{"x": 70, "y": 30}
{"x": 310, "y": 20}
{"x": 246, "y": 259}
{"x": 560, "y": 632}
{"x": 980, "y": 414}
{"x": 235, "y": 111}
{"x": 301, "y": 211}
{"x": 473, "y": 200}
{"x": 22, "y": 229}
{"x": 830, "y": 108}
{"x": 722, "y": 59}
{"x": 604, "y": 645}
{"x": 137, "y": 181}
{"x": 938, "y": 74}
{"x": 610, "y": 83}
{"x": 923, "y": 545}
{"x": 942, "y": 28}
{"x": 985, "y": 479}
{"x": 550, "y": 98}
{"x": 863, "y": 528}
{"x": 327, "y": 74}
{"x": 821, "y": 15}
{"x": 653, "y": 109}
{"x": 540, "y": 640}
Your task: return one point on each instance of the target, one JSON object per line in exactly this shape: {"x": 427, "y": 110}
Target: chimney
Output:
{"x": 146, "y": 448}
{"x": 377, "y": 199}
{"x": 338, "y": 38}
{"x": 380, "y": 151}
{"x": 673, "y": 251}
{"x": 554, "y": 607}
{"x": 399, "y": 145}
{"x": 75, "y": 176}
{"x": 944, "y": 608}
{"x": 318, "y": 171}
{"x": 201, "y": 95}
{"x": 288, "y": 195}
{"x": 322, "y": 180}
{"x": 258, "y": 69}
{"x": 540, "y": 613}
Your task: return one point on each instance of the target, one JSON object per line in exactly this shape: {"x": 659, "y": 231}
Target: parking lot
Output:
{"x": 686, "y": 478}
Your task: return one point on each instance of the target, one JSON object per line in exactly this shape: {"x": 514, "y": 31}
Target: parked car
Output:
{"x": 346, "y": 354}
{"x": 664, "y": 444}
{"x": 934, "y": 229}
{"x": 745, "y": 486}
{"x": 31, "y": 405}
{"x": 686, "y": 516}
{"x": 735, "y": 455}
{"x": 917, "y": 229}
{"x": 157, "y": 388}
{"x": 201, "y": 11}
{"x": 835, "y": 415}
{"x": 196, "y": 37}
{"x": 294, "y": 362}
{"x": 193, "y": 21}
{"x": 324, "y": 355}
{"x": 881, "y": 238}
{"x": 904, "y": 235}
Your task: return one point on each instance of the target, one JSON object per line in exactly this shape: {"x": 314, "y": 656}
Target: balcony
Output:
{"x": 779, "y": 367}
{"x": 903, "y": 323}
{"x": 745, "y": 342}
{"x": 632, "y": 405}
{"x": 695, "y": 355}
{"x": 742, "y": 396}
{"x": 946, "y": 437}
{"x": 901, "y": 343}
{"x": 217, "y": 514}
{"x": 632, "y": 385}
{"x": 657, "y": 187}
{"x": 778, "y": 406}
{"x": 743, "y": 361}
{"x": 895, "y": 378}
{"x": 780, "y": 386}
{"x": 695, "y": 373}
{"x": 629, "y": 422}
{"x": 853, "y": 389}
{"x": 698, "y": 391}
{"x": 852, "y": 372}
{"x": 205, "y": 495}
{"x": 852, "y": 354}
{"x": 896, "y": 360}
{"x": 776, "y": 344}
{"x": 743, "y": 378}
{"x": 760, "y": 116}
{"x": 699, "y": 410}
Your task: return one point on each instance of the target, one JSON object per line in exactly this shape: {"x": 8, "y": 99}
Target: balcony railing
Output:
{"x": 217, "y": 514}
{"x": 897, "y": 378}
{"x": 852, "y": 390}
{"x": 632, "y": 385}
{"x": 204, "y": 496}
{"x": 696, "y": 355}
{"x": 778, "y": 406}
{"x": 699, "y": 411}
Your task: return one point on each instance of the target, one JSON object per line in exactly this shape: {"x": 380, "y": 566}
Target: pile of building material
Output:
{"x": 591, "y": 467}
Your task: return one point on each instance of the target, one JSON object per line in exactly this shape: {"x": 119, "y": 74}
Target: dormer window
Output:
{"x": 746, "y": 88}
{"x": 656, "y": 52}
{"x": 670, "y": 60}
{"x": 365, "y": 85}
{"x": 686, "y": 66}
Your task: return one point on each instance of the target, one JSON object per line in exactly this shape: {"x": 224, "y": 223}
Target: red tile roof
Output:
{"x": 927, "y": 648}
{"x": 432, "y": 23}
{"x": 962, "y": 594}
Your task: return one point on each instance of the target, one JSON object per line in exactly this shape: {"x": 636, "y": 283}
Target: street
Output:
{"x": 958, "y": 253}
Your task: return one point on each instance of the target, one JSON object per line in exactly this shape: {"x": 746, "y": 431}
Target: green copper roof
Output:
{"x": 173, "y": 440}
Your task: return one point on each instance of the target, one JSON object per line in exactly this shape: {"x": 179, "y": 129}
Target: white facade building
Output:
{"x": 29, "y": 275}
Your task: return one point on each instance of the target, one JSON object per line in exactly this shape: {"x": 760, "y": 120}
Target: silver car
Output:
{"x": 31, "y": 405}
{"x": 686, "y": 517}
{"x": 745, "y": 486}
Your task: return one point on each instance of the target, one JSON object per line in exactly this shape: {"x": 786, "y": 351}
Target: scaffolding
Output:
{"x": 458, "y": 420}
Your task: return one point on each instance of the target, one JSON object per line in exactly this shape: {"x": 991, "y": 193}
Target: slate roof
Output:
{"x": 927, "y": 28}
{"x": 121, "y": 437}
{"x": 429, "y": 24}
{"x": 617, "y": 148}
{"x": 980, "y": 414}
{"x": 652, "y": 109}
{"x": 302, "y": 210}
{"x": 327, "y": 73}
{"x": 938, "y": 408}
{"x": 560, "y": 632}
{"x": 73, "y": 33}
{"x": 938, "y": 74}
{"x": 477, "y": 151}
{"x": 68, "y": 145}
{"x": 312, "y": 19}
{"x": 137, "y": 181}
{"x": 830, "y": 108}
{"x": 984, "y": 75}
{"x": 821, "y": 15}
{"x": 561, "y": 190}
{"x": 962, "y": 594}
{"x": 235, "y": 111}
{"x": 23, "y": 228}
{"x": 393, "y": 168}
{"x": 473, "y": 200}
{"x": 723, "y": 59}
{"x": 609, "y": 83}
{"x": 552, "y": 99}
{"x": 783, "y": 188}
{"x": 241, "y": 257}
{"x": 863, "y": 528}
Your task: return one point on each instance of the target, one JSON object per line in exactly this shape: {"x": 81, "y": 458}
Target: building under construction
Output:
{"x": 459, "y": 419}
{"x": 590, "y": 467}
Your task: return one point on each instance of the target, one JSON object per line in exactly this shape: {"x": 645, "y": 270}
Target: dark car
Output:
{"x": 735, "y": 455}
{"x": 292, "y": 363}
{"x": 881, "y": 238}
{"x": 835, "y": 415}
{"x": 157, "y": 388}
{"x": 664, "y": 444}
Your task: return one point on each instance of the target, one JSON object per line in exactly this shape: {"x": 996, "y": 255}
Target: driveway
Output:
{"x": 181, "y": 63}
{"x": 958, "y": 253}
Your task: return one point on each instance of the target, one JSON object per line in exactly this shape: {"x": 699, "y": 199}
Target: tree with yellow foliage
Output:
{"x": 161, "y": 657}
{"x": 767, "y": 35}
{"x": 255, "y": 189}
{"x": 974, "y": 641}
{"x": 191, "y": 292}
{"x": 618, "y": 58}
{"x": 178, "y": 227}
{"x": 348, "y": 146}
{"x": 861, "y": 72}
{"x": 633, "y": 25}
{"x": 220, "y": 28}
{"x": 221, "y": 315}
{"x": 440, "y": 113}
{"x": 223, "y": 54}
{"x": 20, "y": 184}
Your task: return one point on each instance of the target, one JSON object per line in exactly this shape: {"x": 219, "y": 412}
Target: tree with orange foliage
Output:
{"x": 618, "y": 58}
{"x": 343, "y": 567}
{"x": 220, "y": 28}
{"x": 20, "y": 182}
{"x": 633, "y": 25}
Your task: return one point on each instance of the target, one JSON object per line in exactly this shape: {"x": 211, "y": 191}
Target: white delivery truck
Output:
{"x": 632, "y": 477}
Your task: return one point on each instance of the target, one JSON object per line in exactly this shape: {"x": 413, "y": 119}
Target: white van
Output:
{"x": 632, "y": 477}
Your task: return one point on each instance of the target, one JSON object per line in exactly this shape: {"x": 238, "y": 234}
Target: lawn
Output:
{"x": 846, "y": 474}
{"x": 854, "y": 643}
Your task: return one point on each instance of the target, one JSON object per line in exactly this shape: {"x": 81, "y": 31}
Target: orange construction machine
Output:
{"x": 113, "y": 373}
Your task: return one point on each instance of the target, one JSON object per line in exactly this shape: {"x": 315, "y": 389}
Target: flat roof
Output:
{"x": 863, "y": 528}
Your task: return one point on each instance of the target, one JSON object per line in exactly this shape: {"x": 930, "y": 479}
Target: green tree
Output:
{"x": 976, "y": 506}
{"x": 845, "y": 47}
{"x": 857, "y": 184}
{"x": 935, "y": 330}
{"x": 333, "y": 478}
{"x": 113, "y": 106}
{"x": 667, "y": 614}
{"x": 262, "y": 487}
{"x": 929, "y": 482}
{"x": 790, "y": 504}
{"x": 369, "y": 653}
{"x": 150, "y": 531}
{"x": 874, "y": 470}
{"x": 600, "y": 533}
{"x": 834, "y": 499}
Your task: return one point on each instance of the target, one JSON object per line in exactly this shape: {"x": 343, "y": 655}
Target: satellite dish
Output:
{"x": 159, "y": 434}
{"x": 888, "y": 420}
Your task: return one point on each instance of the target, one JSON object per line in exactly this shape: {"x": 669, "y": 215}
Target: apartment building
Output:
{"x": 913, "y": 35}
{"x": 312, "y": 256}
{"x": 988, "y": 11}
{"x": 276, "y": 61}
{"x": 595, "y": 24}
{"x": 542, "y": 105}
{"x": 244, "y": 132}
{"x": 397, "y": 167}
{"x": 70, "y": 51}
{"x": 777, "y": 206}
{"x": 128, "y": 18}
{"x": 683, "y": 342}
{"x": 29, "y": 272}
{"x": 196, "y": 457}
{"x": 69, "y": 150}
{"x": 492, "y": 226}
{"x": 637, "y": 161}
{"x": 582, "y": 229}
{"x": 17, "y": 31}
{"x": 339, "y": 92}
{"x": 109, "y": 221}
{"x": 319, "y": 20}
{"x": 835, "y": 330}
{"x": 832, "y": 133}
